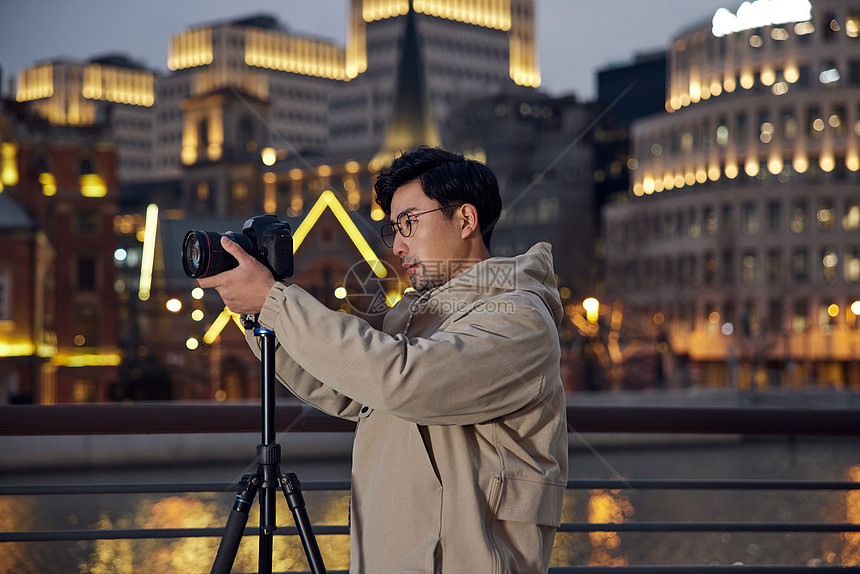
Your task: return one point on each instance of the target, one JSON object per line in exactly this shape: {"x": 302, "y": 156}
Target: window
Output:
{"x": 851, "y": 267}
{"x": 750, "y": 219}
{"x": 826, "y": 216}
{"x": 851, "y": 219}
{"x": 774, "y": 266}
{"x": 86, "y": 273}
{"x": 774, "y": 216}
{"x": 800, "y": 316}
{"x": 88, "y": 221}
{"x": 814, "y": 122}
{"x": 774, "y": 316}
{"x": 798, "y": 217}
{"x": 5, "y": 293}
{"x": 727, "y": 219}
{"x": 728, "y": 267}
{"x": 789, "y": 124}
{"x": 749, "y": 269}
{"x": 829, "y": 261}
{"x": 800, "y": 265}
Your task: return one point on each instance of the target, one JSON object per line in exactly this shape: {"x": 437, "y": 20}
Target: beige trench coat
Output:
{"x": 460, "y": 454}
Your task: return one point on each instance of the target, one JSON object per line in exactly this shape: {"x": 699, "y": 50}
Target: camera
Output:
{"x": 265, "y": 237}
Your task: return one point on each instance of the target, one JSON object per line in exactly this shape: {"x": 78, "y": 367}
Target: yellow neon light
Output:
{"x": 328, "y": 199}
{"x": 88, "y": 360}
{"x": 219, "y": 324}
{"x": 148, "y": 258}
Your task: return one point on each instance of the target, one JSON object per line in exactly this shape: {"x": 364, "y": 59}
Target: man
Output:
{"x": 460, "y": 454}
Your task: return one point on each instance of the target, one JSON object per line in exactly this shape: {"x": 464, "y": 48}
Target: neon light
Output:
{"x": 89, "y": 360}
{"x": 328, "y": 199}
{"x": 148, "y": 259}
{"x": 760, "y": 13}
{"x": 217, "y": 326}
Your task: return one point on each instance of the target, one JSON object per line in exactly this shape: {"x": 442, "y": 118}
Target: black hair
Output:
{"x": 447, "y": 177}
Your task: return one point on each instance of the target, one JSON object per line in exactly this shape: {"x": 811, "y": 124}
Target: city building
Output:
{"x": 739, "y": 238}
{"x": 112, "y": 91}
{"x": 58, "y": 329}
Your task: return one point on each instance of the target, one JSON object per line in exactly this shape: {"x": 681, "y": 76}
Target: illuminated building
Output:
{"x": 112, "y": 91}
{"x": 311, "y": 96}
{"x": 742, "y": 222}
{"x": 58, "y": 315}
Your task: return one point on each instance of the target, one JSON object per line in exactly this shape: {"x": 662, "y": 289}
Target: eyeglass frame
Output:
{"x": 396, "y": 227}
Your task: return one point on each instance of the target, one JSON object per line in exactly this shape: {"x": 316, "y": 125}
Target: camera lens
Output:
{"x": 196, "y": 253}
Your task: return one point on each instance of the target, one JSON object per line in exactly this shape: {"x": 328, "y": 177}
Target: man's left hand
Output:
{"x": 245, "y": 288}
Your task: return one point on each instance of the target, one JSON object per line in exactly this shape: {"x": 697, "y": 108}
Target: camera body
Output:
{"x": 265, "y": 237}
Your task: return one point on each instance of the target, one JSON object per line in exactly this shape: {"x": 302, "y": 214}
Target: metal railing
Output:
{"x": 149, "y": 418}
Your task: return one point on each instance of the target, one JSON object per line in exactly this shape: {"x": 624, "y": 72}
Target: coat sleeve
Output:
{"x": 482, "y": 366}
{"x": 304, "y": 385}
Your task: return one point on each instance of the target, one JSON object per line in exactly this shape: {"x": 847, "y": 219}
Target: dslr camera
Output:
{"x": 265, "y": 238}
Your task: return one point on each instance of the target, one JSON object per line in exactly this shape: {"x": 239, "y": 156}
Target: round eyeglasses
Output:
{"x": 405, "y": 224}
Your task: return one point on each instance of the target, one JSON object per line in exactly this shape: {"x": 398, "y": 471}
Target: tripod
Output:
{"x": 267, "y": 478}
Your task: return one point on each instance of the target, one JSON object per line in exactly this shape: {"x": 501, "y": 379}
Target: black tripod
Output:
{"x": 267, "y": 478}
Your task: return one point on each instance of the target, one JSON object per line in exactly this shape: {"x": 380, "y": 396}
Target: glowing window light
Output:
{"x": 779, "y": 34}
{"x": 804, "y": 28}
{"x": 747, "y": 81}
{"x": 731, "y": 170}
{"x": 800, "y": 164}
{"x": 690, "y": 178}
{"x": 701, "y": 175}
{"x": 8, "y": 164}
{"x": 92, "y": 185}
{"x": 751, "y": 168}
{"x": 852, "y": 162}
{"x": 791, "y": 74}
{"x": 268, "y": 156}
{"x": 637, "y": 189}
{"x": 49, "y": 184}
{"x": 827, "y": 163}
{"x": 679, "y": 180}
{"x": 775, "y": 165}
{"x": 714, "y": 173}
{"x": 648, "y": 185}
{"x": 173, "y": 305}
{"x": 829, "y": 76}
{"x": 148, "y": 259}
{"x": 855, "y": 307}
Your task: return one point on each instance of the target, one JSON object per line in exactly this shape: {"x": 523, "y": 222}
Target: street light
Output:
{"x": 591, "y": 306}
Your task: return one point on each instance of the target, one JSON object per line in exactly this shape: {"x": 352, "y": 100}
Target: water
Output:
{"x": 799, "y": 459}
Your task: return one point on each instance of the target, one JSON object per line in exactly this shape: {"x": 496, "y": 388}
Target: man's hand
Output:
{"x": 245, "y": 288}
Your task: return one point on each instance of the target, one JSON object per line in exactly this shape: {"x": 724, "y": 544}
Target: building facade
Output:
{"x": 740, "y": 235}
{"x": 59, "y": 331}
{"x": 111, "y": 91}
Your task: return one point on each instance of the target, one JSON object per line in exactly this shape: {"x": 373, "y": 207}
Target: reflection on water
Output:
{"x": 826, "y": 459}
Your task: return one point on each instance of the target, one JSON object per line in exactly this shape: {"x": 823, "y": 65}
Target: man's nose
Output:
{"x": 400, "y": 247}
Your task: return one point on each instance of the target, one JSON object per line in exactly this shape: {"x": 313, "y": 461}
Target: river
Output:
{"x": 651, "y": 458}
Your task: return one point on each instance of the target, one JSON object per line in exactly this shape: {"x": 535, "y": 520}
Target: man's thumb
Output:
{"x": 232, "y": 247}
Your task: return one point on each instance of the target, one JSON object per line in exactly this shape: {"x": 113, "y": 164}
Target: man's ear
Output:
{"x": 469, "y": 220}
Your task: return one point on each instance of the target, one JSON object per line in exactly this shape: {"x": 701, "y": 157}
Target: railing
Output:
{"x": 148, "y": 418}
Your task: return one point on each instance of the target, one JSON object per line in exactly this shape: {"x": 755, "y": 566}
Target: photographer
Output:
{"x": 460, "y": 453}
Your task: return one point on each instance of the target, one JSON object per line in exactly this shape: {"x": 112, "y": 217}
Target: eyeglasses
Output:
{"x": 405, "y": 225}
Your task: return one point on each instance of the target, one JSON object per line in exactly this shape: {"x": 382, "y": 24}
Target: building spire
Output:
{"x": 411, "y": 123}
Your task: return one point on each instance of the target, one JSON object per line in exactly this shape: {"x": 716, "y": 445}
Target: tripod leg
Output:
{"x": 293, "y": 493}
{"x": 235, "y": 525}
